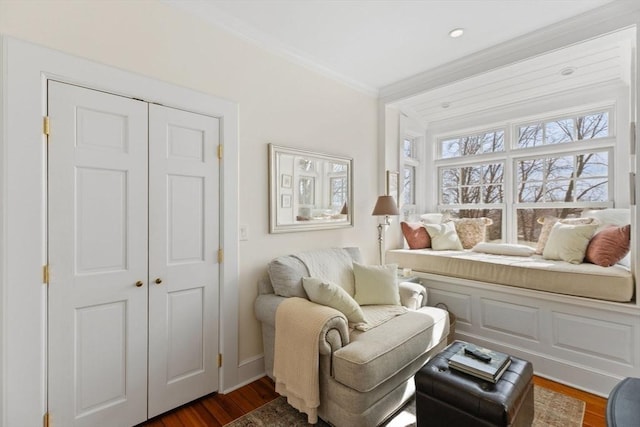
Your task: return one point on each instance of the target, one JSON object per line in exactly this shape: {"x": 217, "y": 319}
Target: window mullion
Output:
{"x": 509, "y": 186}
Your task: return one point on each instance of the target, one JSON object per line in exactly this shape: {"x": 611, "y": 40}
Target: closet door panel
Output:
{"x": 185, "y": 219}
{"x": 97, "y": 237}
{"x": 183, "y": 245}
{"x": 185, "y": 319}
{"x": 101, "y": 227}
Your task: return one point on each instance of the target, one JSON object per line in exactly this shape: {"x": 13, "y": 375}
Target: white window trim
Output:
{"x": 411, "y": 128}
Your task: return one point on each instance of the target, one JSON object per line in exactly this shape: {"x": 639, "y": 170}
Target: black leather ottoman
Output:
{"x": 447, "y": 397}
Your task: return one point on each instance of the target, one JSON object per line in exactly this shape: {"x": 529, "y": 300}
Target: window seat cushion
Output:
{"x": 585, "y": 280}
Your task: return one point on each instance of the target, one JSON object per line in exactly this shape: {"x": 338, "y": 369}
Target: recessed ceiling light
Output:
{"x": 567, "y": 71}
{"x": 456, "y": 32}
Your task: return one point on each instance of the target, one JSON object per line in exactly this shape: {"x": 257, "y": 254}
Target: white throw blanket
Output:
{"x": 334, "y": 265}
{"x": 296, "y": 355}
{"x": 376, "y": 315}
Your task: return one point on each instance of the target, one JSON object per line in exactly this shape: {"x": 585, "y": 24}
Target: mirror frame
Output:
{"x": 278, "y": 180}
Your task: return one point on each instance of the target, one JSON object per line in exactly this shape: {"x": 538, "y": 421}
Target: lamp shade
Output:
{"x": 386, "y": 205}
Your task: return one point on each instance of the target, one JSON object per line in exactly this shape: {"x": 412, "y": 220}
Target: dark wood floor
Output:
{"x": 218, "y": 409}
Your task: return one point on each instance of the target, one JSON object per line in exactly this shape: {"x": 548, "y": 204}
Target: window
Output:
{"x": 408, "y": 196}
{"x": 581, "y": 128}
{"x": 475, "y": 191}
{"x": 338, "y": 192}
{"x": 488, "y": 142}
{"x": 482, "y": 183}
{"x": 306, "y": 194}
{"x": 557, "y": 167}
{"x": 337, "y": 185}
{"x": 410, "y": 163}
{"x": 409, "y": 148}
{"x": 567, "y": 178}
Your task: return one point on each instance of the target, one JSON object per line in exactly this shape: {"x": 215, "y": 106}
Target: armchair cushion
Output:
{"x": 376, "y": 284}
{"x": 327, "y": 293}
{"x": 366, "y": 362}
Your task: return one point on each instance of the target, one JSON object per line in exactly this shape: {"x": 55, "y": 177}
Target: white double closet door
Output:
{"x": 133, "y": 235}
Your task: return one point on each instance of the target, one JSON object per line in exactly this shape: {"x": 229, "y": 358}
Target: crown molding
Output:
{"x": 611, "y": 17}
{"x": 210, "y": 13}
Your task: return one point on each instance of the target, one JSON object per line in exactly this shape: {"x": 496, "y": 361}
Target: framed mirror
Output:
{"x": 309, "y": 190}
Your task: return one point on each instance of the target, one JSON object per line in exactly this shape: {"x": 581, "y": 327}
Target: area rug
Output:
{"x": 551, "y": 410}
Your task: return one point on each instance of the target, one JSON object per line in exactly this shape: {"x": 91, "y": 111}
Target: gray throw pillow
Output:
{"x": 286, "y": 273}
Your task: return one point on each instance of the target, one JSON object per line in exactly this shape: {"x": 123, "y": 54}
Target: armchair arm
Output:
{"x": 412, "y": 295}
{"x": 333, "y": 336}
{"x": 265, "y": 307}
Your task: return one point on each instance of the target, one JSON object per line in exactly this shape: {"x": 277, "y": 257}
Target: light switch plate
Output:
{"x": 244, "y": 232}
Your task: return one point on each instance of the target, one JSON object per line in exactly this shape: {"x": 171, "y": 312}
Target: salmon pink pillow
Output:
{"x": 609, "y": 246}
{"x": 416, "y": 235}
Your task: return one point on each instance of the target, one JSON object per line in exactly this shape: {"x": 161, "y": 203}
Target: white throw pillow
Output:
{"x": 376, "y": 284}
{"x": 444, "y": 236}
{"x": 332, "y": 295}
{"x": 568, "y": 242}
{"x": 431, "y": 218}
{"x": 607, "y": 217}
{"x": 547, "y": 224}
{"x": 504, "y": 249}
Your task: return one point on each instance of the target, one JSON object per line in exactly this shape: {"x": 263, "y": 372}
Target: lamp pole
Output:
{"x": 381, "y": 227}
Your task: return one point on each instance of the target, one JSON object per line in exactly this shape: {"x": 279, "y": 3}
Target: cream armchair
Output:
{"x": 364, "y": 376}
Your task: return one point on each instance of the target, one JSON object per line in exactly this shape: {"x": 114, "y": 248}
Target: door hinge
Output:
{"x": 220, "y": 151}
{"x": 46, "y": 420}
{"x": 219, "y": 360}
{"x": 45, "y": 125}
{"x": 220, "y": 256}
{"x": 45, "y": 274}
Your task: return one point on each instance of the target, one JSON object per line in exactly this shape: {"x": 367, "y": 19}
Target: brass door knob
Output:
{"x": 139, "y": 283}
{"x": 158, "y": 280}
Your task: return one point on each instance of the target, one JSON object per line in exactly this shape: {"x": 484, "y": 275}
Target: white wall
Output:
{"x": 279, "y": 102}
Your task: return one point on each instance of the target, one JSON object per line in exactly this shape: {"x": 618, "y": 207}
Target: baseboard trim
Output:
{"x": 249, "y": 370}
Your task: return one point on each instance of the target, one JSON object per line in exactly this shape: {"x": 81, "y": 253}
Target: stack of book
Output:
{"x": 480, "y": 362}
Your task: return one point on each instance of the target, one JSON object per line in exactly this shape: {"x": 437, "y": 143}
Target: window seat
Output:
{"x": 577, "y": 324}
{"x": 585, "y": 280}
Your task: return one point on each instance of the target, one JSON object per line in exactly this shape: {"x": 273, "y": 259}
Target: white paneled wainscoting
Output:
{"x": 586, "y": 343}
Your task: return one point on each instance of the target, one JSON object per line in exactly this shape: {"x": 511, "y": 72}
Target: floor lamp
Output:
{"x": 385, "y": 206}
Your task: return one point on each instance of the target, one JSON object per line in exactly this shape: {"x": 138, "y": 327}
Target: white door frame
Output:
{"x": 25, "y": 70}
